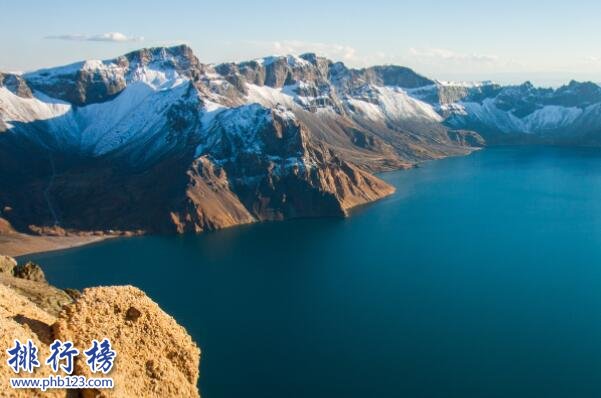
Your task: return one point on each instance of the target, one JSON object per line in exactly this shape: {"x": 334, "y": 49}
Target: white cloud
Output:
{"x": 115, "y": 37}
{"x": 286, "y": 47}
{"x": 451, "y": 56}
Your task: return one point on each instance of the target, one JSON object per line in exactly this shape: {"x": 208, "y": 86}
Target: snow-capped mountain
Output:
{"x": 156, "y": 140}
{"x": 570, "y": 114}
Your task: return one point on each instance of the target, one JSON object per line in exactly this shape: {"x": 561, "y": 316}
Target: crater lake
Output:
{"x": 480, "y": 277}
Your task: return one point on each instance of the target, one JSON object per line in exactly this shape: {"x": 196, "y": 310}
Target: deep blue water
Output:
{"x": 481, "y": 277}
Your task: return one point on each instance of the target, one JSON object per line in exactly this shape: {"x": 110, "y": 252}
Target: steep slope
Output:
{"x": 155, "y": 355}
{"x": 156, "y": 141}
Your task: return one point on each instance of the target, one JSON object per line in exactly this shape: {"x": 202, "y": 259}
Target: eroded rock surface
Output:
{"x": 155, "y": 356}
{"x": 30, "y": 271}
{"x": 21, "y": 319}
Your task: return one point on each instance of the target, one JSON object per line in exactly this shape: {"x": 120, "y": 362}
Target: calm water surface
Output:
{"x": 481, "y": 277}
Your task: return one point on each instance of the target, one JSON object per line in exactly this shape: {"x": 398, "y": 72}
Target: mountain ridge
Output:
{"x": 156, "y": 141}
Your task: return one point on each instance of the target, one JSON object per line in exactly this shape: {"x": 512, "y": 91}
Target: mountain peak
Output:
{"x": 180, "y": 54}
{"x": 94, "y": 81}
{"x": 394, "y": 75}
{"x": 15, "y": 84}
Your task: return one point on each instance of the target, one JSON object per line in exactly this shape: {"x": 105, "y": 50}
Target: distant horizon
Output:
{"x": 465, "y": 40}
{"x": 502, "y": 78}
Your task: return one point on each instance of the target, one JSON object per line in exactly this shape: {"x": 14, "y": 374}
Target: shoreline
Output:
{"x": 19, "y": 244}
{"x": 16, "y": 244}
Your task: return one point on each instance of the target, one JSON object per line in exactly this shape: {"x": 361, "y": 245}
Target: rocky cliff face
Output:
{"x": 16, "y": 85}
{"x": 156, "y": 141}
{"x": 155, "y": 356}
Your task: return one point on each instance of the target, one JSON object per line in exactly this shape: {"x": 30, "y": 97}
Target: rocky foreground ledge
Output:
{"x": 155, "y": 356}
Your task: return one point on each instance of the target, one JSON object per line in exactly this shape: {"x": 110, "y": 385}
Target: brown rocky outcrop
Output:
{"x": 155, "y": 356}
{"x": 5, "y": 227}
{"x": 352, "y": 186}
{"x": 30, "y": 271}
{"x": 7, "y": 264}
{"x": 21, "y": 319}
{"x": 29, "y": 281}
{"x": 210, "y": 202}
{"x": 46, "y": 297}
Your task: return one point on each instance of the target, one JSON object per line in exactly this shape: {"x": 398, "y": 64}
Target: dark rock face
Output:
{"x": 278, "y": 72}
{"x": 30, "y": 271}
{"x": 16, "y": 84}
{"x": 78, "y": 85}
{"x": 290, "y": 176}
{"x": 577, "y": 95}
{"x": 467, "y": 138}
{"x": 132, "y": 314}
{"x": 181, "y": 58}
{"x": 395, "y": 76}
{"x": 73, "y": 293}
{"x": 281, "y": 71}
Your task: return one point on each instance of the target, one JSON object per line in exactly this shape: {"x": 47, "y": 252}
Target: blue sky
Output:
{"x": 508, "y": 41}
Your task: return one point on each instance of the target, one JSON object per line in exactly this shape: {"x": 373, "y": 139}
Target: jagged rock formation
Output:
{"x": 29, "y": 271}
{"x": 156, "y": 357}
{"x": 157, "y": 141}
